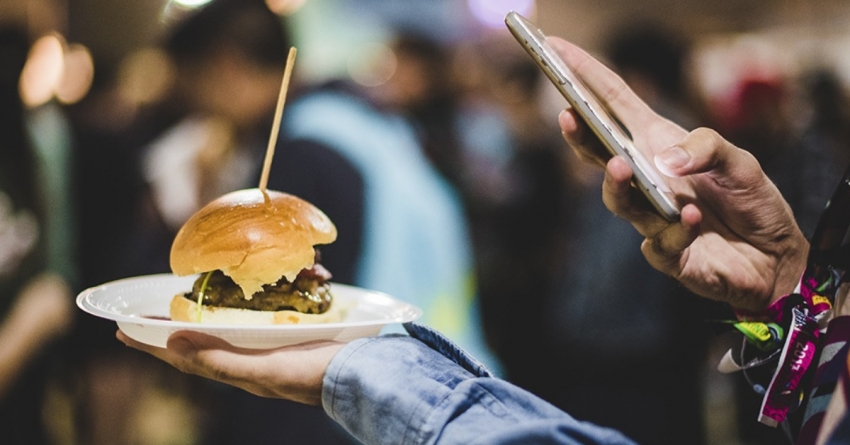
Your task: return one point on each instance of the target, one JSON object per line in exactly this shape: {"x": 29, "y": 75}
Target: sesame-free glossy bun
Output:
{"x": 255, "y": 237}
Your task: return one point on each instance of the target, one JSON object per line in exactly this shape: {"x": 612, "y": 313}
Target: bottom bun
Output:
{"x": 183, "y": 309}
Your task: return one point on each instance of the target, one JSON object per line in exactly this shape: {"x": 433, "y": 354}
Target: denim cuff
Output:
{"x": 360, "y": 387}
{"x": 440, "y": 343}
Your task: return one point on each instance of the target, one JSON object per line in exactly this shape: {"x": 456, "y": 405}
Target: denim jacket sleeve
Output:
{"x": 422, "y": 389}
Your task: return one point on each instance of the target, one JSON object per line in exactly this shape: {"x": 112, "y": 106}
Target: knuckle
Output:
{"x": 748, "y": 161}
{"x": 706, "y": 134}
{"x": 655, "y": 247}
{"x": 183, "y": 366}
{"x": 218, "y": 373}
{"x": 705, "y": 137}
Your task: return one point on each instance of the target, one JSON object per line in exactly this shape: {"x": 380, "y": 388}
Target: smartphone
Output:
{"x": 610, "y": 131}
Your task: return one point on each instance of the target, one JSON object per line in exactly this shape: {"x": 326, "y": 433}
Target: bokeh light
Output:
{"x": 372, "y": 64}
{"x": 145, "y": 75}
{"x": 285, "y": 7}
{"x": 77, "y": 75}
{"x": 492, "y": 13}
{"x": 43, "y": 70}
{"x": 191, "y": 3}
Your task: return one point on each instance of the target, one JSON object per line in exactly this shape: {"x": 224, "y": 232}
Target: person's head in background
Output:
{"x": 758, "y": 116}
{"x": 495, "y": 69}
{"x": 422, "y": 78}
{"x": 422, "y": 89}
{"x": 653, "y": 60}
{"x": 230, "y": 58}
{"x": 829, "y": 99}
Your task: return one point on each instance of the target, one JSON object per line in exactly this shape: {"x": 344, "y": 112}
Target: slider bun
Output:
{"x": 252, "y": 236}
{"x": 183, "y": 309}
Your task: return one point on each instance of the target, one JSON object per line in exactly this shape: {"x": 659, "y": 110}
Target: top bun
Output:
{"x": 254, "y": 237}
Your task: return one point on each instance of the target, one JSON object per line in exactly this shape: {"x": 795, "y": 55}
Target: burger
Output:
{"x": 254, "y": 251}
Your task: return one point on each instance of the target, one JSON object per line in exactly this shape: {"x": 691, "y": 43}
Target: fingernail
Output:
{"x": 671, "y": 160}
{"x": 561, "y": 118}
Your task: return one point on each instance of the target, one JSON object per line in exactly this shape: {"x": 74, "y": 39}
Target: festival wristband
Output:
{"x": 784, "y": 392}
{"x": 813, "y": 293}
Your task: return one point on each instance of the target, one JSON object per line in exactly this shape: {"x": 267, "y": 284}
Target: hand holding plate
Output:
{"x": 291, "y": 372}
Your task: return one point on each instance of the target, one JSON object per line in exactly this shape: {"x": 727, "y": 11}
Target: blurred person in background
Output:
{"x": 416, "y": 242}
{"x": 825, "y": 139}
{"x": 117, "y": 397}
{"x": 419, "y": 106}
{"x": 229, "y": 58}
{"x": 655, "y": 61}
{"x": 112, "y": 391}
{"x": 423, "y": 90}
{"x": 758, "y": 115}
{"x": 829, "y": 99}
{"x": 472, "y": 104}
{"x": 35, "y": 300}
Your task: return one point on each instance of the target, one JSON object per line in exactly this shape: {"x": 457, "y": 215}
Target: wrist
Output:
{"x": 775, "y": 309}
{"x": 788, "y": 276}
{"x": 771, "y": 314}
{"x": 791, "y": 268}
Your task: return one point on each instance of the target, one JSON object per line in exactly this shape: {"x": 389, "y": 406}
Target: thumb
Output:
{"x": 181, "y": 345}
{"x": 203, "y": 350}
{"x": 185, "y": 342}
{"x": 211, "y": 357}
{"x": 705, "y": 151}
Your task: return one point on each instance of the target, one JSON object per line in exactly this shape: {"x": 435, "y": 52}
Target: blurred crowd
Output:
{"x": 450, "y": 186}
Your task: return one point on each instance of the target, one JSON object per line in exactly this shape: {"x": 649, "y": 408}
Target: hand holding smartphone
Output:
{"x": 609, "y": 131}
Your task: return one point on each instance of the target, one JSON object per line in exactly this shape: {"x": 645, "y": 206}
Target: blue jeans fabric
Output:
{"x": 422, "y": 389}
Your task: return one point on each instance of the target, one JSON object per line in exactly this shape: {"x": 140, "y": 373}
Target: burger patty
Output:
{"x": 309, "y": 293}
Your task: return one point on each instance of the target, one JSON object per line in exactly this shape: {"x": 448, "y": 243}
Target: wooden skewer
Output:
{"x": 284, "y": 86}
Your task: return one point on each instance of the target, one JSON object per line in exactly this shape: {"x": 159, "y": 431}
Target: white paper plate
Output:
{"x": 139, "y": 306}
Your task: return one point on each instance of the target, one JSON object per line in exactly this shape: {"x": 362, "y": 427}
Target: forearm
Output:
{"x": 18, "y": 343}
{"x": 41, "y": 312}
{"x": 398, "y": 390}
